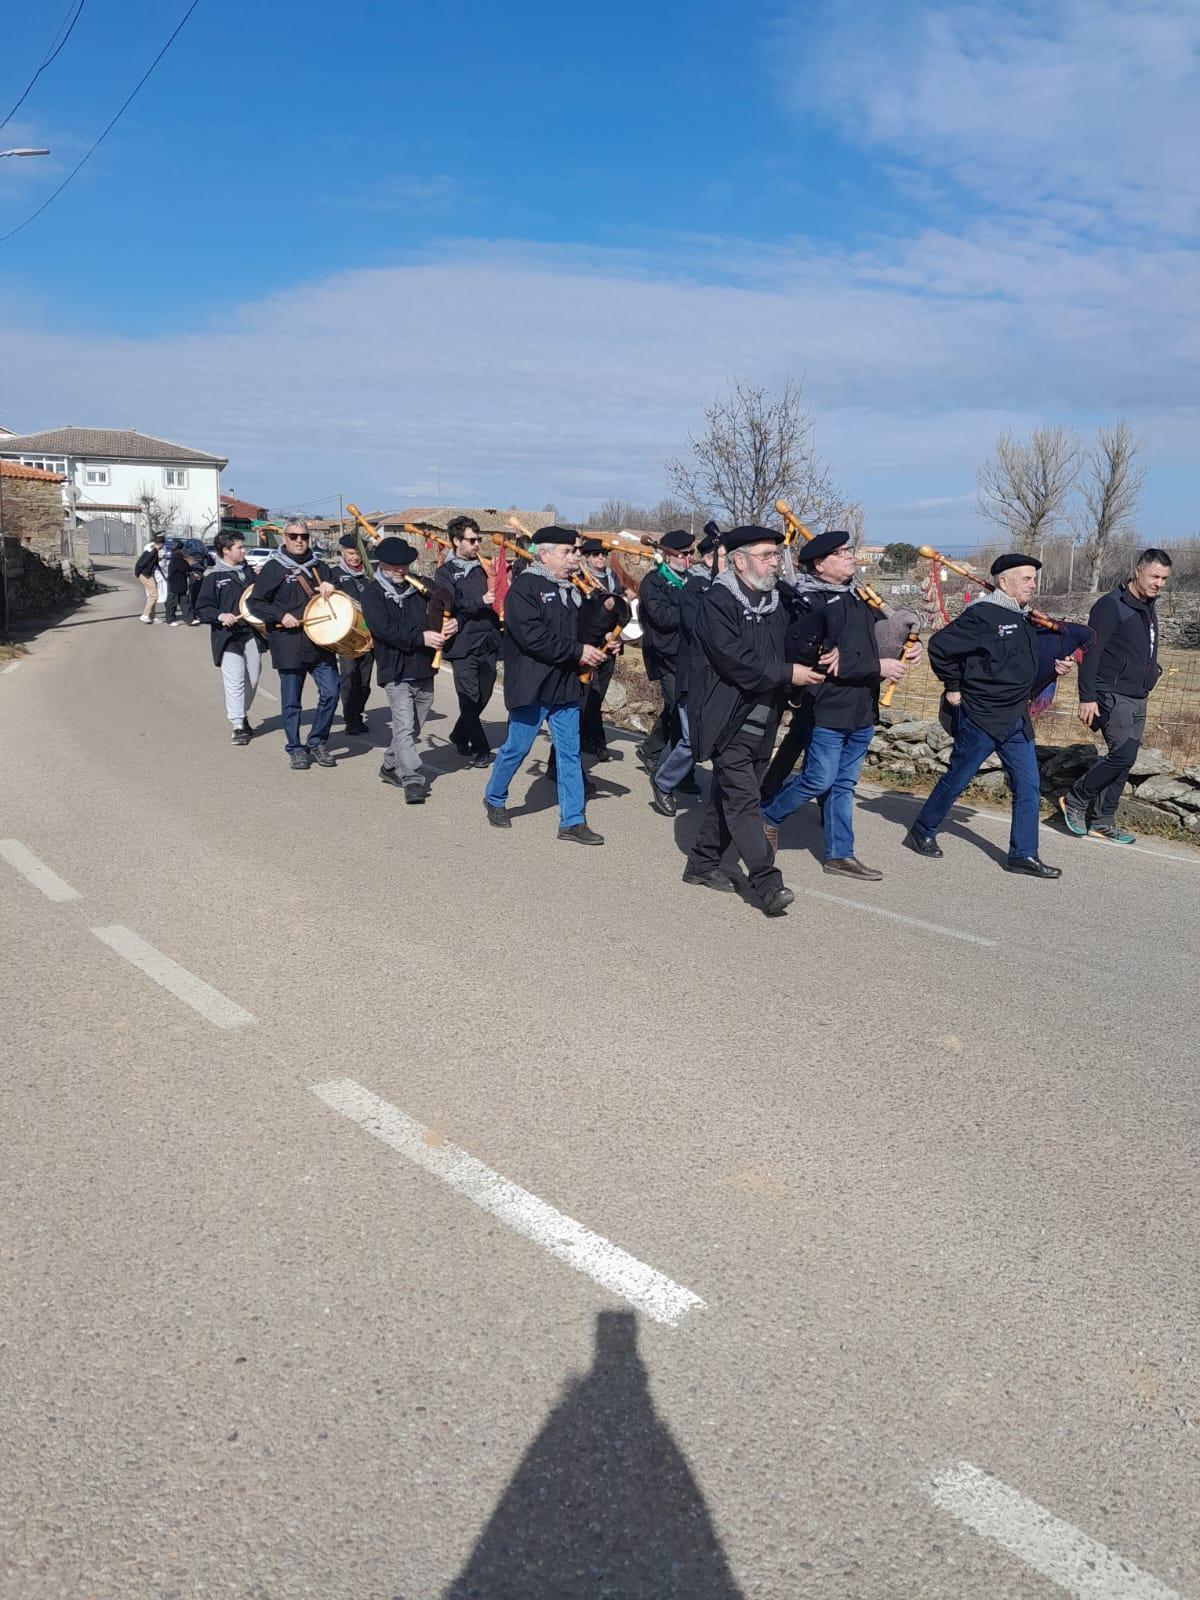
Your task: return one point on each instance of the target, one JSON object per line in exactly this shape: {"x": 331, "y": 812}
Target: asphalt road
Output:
{"x": 636, "y": 1245}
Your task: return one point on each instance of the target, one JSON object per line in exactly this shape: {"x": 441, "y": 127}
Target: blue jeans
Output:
{"x": 831, "y": 766}
{"x": 523, "y": 725}
{"x": 972, "y": 747}
{"x": 677, "y": 763}
{"x": 291, "y": 688}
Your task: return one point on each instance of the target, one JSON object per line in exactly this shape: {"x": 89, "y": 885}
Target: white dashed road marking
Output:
{"x": 523, "y": 1212}
{"x": 899, "y": 916}
{"x": 184, "y": 985}
{"x": 1056, "y": 1549}
{"x": 38, "y": 873}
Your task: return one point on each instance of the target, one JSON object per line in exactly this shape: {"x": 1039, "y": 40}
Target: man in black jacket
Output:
{"x": 178, "y": 573}
{"x": 284, "y": 586}
{"x": 543, "y": 656}
{"x": 677, "y": 766}
{"x": 473, "y": 650}
{"x": 146, "y": 569}
{"x": 398, "y": 617}
{"x": 1115, "y": 679}
{"x": 659, "y": 599}
{"x": 828, "y": 615}
{"x": 236, "y": 647}
{"x": 601, "y": 613}
{"x": 736, "y": 683}
{"x": 987, "y": 659}
{"x": 354, "y": 672}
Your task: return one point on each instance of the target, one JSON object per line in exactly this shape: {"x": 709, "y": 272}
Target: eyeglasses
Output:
{"x": 770, "y": 556}
{"x": 470, "y": 538}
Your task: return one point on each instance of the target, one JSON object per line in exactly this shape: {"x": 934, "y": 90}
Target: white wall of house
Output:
{"x": 193, "y": 487}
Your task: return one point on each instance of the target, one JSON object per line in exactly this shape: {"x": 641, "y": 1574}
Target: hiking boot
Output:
{"x": 1073, "y": 814}
{"x": 498, "y": 816}
{"x": 923, "y": 843}
{"x": 300, "y": 760}
{"x": 852, "y": 867}
{"x": 709, "y": 880}
{"x": 1110, "y": 831}
{"x": 321, "y": 755}
{"x": 777, "y": 902}
{"x": 580, "y": 833}
{"x": 1032, "y": 867}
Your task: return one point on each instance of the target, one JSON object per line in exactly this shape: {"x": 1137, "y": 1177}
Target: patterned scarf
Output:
{"x": 396, "y": 595}
{"x": 997, "y": 597}
{"x": 761, "y": 606}
{"x": 567, "y": 592}
{"x": 295, "y": 568}
{"x": 462, "y": 566}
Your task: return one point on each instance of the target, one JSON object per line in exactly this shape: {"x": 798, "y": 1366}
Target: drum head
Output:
{"x": 328, "y": 618}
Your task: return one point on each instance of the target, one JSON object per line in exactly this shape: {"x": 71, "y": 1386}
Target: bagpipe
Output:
{"x": 897, "y": 630}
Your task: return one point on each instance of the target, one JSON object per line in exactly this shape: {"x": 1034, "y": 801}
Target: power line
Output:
{"x": 4, "y": 237}
{"x": 56, "y": 45}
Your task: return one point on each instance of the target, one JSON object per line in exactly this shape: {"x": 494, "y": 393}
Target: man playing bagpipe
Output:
{"x": 405, "y": 644}
{"x": 543, "y": 658}
{"x": 354, "y": 672}
{"x": 987, "y": 660}
{"x": 829, "y": 616}
{"x": 677, "y": 765}
{"x": 475, "y": 648}
{"x": 599, "y": 616}
{"x": 659, "y": 599}
{"x": 737, "y": 678}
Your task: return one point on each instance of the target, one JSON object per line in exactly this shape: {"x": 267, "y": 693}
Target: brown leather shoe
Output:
{"x": 852, "y": 867}
{"x": 772, "y": 833}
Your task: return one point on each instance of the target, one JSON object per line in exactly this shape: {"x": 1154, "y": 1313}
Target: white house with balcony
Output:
{"x": 121, "y": 482}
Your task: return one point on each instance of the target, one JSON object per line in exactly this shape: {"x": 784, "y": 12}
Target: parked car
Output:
{"x": 257, "y": 556}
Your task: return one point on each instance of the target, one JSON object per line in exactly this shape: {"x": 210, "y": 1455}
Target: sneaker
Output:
{"x": 148, "y": 620}
{"x": 240, "y": 735}
{"x": 390, "y": 775}
{"x": 580, "y": 833}
{"x": 322, "y": 756}
{"x": 497, "y": 816}
{"x": 1110, "y": 831}
{"x": 414, "y": 793}
{"x": 709, "y": 880}
{"x": 1073, "y": 814}
{"x": 300, "y": 760}
{"x": 194, "y": 623}
{"x": 174, "y": 624}
{"x": 777, "y": 902}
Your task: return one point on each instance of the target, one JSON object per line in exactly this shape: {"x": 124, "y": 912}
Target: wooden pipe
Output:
{"x": 906, "y": 654}
{"x": 1038, "y": 618}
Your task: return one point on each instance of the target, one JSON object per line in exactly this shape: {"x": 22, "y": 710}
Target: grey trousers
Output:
{"x": 240, "y": 670}
{"x": 410, "y": 703}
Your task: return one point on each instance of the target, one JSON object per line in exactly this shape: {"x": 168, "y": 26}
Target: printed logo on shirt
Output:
{"x": 548, "y": 599}
{"x": 1005, "y": 628}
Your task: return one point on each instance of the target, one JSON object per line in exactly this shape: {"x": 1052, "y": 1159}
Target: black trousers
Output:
{"x": 175, "y": 602}
{"x": 791, "y": 747}
{"x": 354, "y": 681}
{"x": 666, "y": 729}
{"x": 593, "y": 740}
{"x": 474, "y": 680}
{"x": 733, "y": 814}
{"x": 1123, "y": 723}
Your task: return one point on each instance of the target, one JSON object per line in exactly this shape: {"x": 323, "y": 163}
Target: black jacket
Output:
{"x": 658, "y": 612}
{"x": 220, "y": 590}
{"x": 352, "y": 583}
{"x": 820, "y": 620}
{"x": 478, "y": 625}
{"x": 596, "y": 619}
{"x": 401, "y": 654}
{"x": 541, "y": 643}
{"x": 1124, "y": 658}
{"x": 178, "y": 571}
{"x": 275, "y": 593}
{"x": 739, "y": 664}
{"x": 147, "y": 563}
{"x": 990, "y": 654}
{"x": 694, "y": 588}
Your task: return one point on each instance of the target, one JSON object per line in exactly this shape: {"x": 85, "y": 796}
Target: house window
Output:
{"x": 97, "y": 476}
{"x": 175, "y": 477}
{"x": 46, "y": 463}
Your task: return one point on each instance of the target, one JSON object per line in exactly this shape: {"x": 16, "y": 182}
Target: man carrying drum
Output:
{"x": 237, "y": 649}
{"x": 284, "y": 586}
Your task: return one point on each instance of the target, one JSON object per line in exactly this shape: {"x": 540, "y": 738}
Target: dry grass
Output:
{"x": 12, "y": 652}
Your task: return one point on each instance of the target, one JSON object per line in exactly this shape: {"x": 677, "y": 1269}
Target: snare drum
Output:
{"x": 334, "y": 622}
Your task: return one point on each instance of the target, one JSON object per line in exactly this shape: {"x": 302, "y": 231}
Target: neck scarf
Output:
{"x": 462, "y": 565}
{"x": 997, "y": 597}
{"x": 761, "y": 605}
{"x": 567, "y": 592}
{"x": 352, "y": 572}
{"x": 397, "y": 594}
{"x": 675, "y": 579}
{"x": 291, "y": 566}
{"x": 220, "y": 564}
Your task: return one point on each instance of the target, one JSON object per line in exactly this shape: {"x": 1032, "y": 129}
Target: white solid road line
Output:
{"x": 899, "y": 916}
{"x": 561, "y": 1235}
{"x": 1056, "y": 1549}
{"x": 184, "y": 985}
{"x": 38, "y": 873}
{"x": 12, "y": 667}
{"x": 266, "y": 693}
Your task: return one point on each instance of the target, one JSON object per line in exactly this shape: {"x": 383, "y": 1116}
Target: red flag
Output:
{"x": 500, "y": 580}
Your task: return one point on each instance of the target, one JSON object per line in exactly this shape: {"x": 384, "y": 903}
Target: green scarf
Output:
{"x": 670, "y": 575}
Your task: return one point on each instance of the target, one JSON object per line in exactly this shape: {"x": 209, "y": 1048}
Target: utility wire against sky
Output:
{"x": 56, "y": 44}
{"x": 4, "y": 237}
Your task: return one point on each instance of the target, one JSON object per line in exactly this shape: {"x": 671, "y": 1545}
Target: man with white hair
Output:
{"x": 284, "y": 586}
{"x": 736, "y": 685}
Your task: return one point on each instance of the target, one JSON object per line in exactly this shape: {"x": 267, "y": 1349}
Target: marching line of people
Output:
{"x": 732, "y": 644}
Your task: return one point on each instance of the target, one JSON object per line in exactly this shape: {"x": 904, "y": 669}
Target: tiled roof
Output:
{"x": 242, "y": 509}
{"x": 489, "y": 518}
{"x": 110, "y": 444}
{"x": 14, "y": 469}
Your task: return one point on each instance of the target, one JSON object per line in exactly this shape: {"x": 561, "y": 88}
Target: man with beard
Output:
{"x": 737, "y": 680}
{"x": 473, "y": 650}
{"x": 354, "y": 672}
{"x": 659, "y": 600}
{"x": 284, "y": 586}
{"x": 678, "y": 765}
{"x": 236, "y": 647}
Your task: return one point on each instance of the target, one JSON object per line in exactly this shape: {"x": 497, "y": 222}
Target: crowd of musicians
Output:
{"x": 737, "y": 627}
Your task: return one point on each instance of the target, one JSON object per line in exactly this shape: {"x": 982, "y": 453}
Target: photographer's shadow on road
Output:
{"x": 603, "y": 1501}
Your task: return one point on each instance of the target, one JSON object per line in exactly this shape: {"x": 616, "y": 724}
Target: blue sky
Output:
{"x": 525, "y": 245}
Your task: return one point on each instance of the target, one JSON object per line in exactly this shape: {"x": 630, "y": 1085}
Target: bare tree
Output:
{"x": 161, "y": 515}
{"x": 757, "y": 447}
{"x": 1023, "y": 488}
{"x": 853, "y": 518}
{"x": 1110, "y": 490}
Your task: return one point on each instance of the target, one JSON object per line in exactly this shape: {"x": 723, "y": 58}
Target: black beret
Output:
{"x": 553, "y": 535}
{"x": 712, "y": 532}
{"x": 395, "y": 552}
{"x": 678, "y": 540}
{"x": 708, "y": 544}
{"x": 1015, "y": 559}
{"x": 823, "y": 545}
{"x": 348, "y": 541}
{"x": 591, "y": 547}
{"x": 739, "y": 538}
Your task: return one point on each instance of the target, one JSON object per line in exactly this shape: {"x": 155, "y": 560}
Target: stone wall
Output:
{"x": 37, "y": 586}
{"x": 1160, "y": 794}
{"x": 33, "y": 515}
